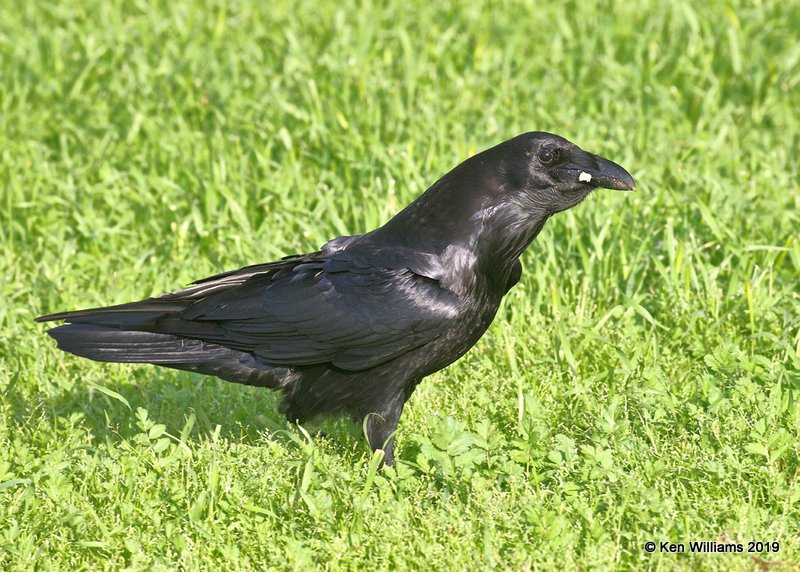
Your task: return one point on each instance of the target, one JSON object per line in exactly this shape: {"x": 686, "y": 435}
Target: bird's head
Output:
{"x": 529, "y": 178}
{"x": 496, "y": 202}
{"x": 545, "y": 173}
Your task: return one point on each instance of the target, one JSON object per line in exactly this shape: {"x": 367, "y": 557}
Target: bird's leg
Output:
{"x": 381, "y": 426}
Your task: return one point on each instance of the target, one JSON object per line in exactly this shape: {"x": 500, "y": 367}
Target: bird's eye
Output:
{"x": 547, "y": 156}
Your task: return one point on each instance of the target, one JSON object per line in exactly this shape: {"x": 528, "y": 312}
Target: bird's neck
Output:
{"x": 477, "y": 243}
{"x": 443, "y": 215}
{"x": 505, "y": 236}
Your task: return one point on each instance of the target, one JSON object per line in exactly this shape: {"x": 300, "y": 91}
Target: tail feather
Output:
{"x": 108, "y": 344}
{"x": 152, "y": 331}
{"x": 104, "y": 343}
{"x": 152, "y": 308}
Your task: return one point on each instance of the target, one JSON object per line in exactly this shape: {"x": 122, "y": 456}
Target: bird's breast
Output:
{"x": 463, "y": 333}
{"x": 479, "y": 299}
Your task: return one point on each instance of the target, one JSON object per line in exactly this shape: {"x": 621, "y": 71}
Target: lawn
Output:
{"x": 641, "y": 383}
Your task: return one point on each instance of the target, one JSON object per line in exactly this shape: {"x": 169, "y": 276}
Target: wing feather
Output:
{"x": 340, "y": 310}
{"x": 345, "y": 305}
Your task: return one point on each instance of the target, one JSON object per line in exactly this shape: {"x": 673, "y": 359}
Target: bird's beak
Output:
{"x": 604, "y": 173}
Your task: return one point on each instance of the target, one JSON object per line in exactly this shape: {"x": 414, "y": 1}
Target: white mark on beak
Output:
{"x": 585, "y": 177}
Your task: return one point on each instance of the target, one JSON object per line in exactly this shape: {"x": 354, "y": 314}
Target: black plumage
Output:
{"x": 355, "y": 326}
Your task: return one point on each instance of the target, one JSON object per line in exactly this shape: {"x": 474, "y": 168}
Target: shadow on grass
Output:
{"x": 244, "y": 414}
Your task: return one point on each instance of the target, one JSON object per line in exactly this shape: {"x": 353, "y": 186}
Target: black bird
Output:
{"x": 354, "y": 327}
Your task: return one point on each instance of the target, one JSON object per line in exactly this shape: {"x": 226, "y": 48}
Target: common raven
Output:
{"x": 353, "y": 327}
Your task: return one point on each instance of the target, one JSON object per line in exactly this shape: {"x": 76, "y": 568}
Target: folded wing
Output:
{"x": 336, "y": 310}
{"x": 321, "y": 308}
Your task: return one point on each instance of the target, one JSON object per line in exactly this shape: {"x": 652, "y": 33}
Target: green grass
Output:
{"x": 641, "y": 383}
